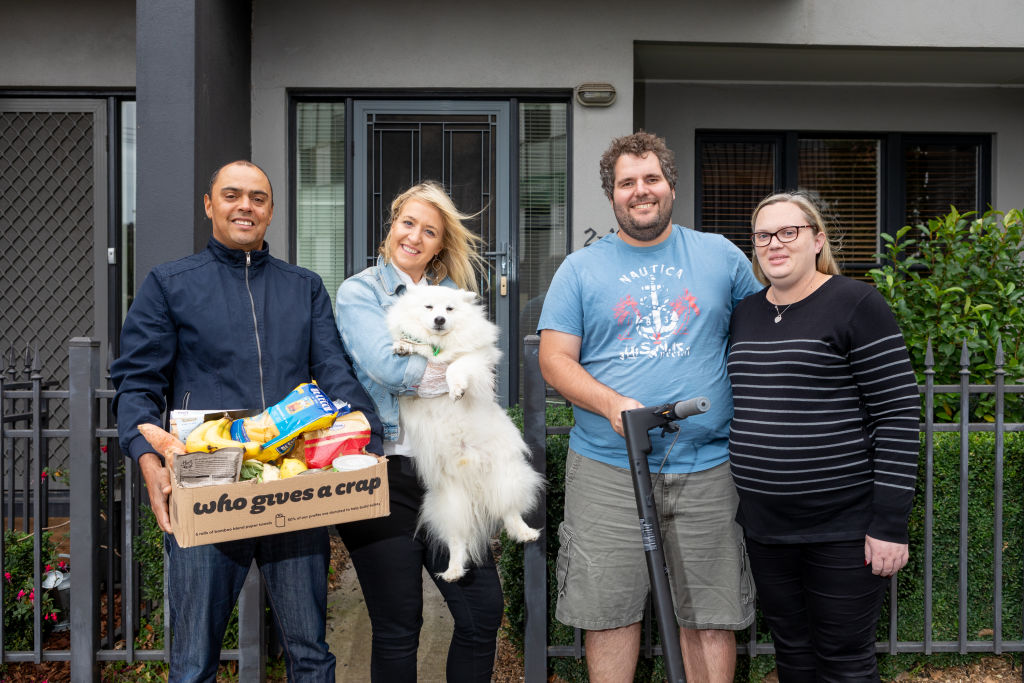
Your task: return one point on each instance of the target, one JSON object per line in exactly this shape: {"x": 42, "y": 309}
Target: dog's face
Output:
{"x": 434, "y": 311}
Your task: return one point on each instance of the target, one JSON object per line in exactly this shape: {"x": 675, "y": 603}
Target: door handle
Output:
{"x": 502, "y": 252}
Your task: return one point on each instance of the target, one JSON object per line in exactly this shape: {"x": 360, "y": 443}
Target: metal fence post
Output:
{"x": 252, "y": 661}
{"x": 965, "y": 450}
{"x": 83, "y": 380}
{"x": 535, "y": 593}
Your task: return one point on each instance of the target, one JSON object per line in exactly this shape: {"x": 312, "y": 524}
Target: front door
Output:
{"x": 464, "y": 145}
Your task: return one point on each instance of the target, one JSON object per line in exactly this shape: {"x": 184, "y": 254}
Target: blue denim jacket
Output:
{"x": 362, "y": 306}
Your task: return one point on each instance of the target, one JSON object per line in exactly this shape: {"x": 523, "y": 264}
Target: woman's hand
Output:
{"x": 433, "y": 383}
{"x": 884, "y": 557}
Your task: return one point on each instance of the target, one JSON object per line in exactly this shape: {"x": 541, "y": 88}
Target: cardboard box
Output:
{"x": 227, "y": 512}
{"x": 211, "y": 514}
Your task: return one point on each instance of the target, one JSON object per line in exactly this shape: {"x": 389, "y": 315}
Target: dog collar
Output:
{"x": 433, "y": 347}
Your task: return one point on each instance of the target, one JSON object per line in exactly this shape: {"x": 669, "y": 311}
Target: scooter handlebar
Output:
{"x": 692, "y": 406}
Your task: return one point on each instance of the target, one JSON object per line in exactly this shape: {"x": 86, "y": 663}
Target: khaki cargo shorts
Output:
{"x": 602, "y": 570}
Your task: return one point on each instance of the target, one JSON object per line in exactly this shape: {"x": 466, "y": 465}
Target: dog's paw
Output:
{"x": 519, "y": 531}
{"x": 402, "y": 348}
{"x": 458, "y": 379}
{"x": 453, "y": 573}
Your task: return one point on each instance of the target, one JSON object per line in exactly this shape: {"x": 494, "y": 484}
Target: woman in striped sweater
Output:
{"x": 823, "y": 446}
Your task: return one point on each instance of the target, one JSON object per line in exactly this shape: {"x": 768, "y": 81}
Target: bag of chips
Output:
{"x": 347, "y": 436}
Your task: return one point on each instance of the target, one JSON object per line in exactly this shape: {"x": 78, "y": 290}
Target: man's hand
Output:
{"x": 884, "y": 557}
{"x": 616, "y": 406}
{"x": 158, "y": 485}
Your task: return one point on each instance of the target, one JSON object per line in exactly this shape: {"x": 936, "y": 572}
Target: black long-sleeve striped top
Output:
{"x": 824, "y": 440}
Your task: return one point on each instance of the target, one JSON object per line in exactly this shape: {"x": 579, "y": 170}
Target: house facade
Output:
{"x": 113, "y": 114}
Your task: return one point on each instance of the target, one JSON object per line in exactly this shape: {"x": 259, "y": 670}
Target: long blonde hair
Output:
{"x": 825, "y": 261}
{"x": 459, "y": 257}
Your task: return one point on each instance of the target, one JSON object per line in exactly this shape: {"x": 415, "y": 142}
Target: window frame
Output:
{"x": 892, "y": 172}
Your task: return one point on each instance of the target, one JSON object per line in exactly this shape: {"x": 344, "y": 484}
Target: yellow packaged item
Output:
{"x": 292, "y": 466}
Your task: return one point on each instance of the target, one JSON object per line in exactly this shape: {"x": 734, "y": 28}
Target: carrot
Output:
{"x": 164, "y": 443}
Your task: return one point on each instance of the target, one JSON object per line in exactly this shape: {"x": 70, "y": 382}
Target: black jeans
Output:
{"x": 389, "y": 558}
{"x": 822, "y": 604}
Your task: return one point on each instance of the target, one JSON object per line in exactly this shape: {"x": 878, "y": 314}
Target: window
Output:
{"x": 866, "y": 184}
{"x": 320, "y": 190}
{"x": 543, "y": 207}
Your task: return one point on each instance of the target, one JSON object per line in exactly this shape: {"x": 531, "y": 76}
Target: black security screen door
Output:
{"x": 464, "y": 146}
{"x": 458, "y": 151}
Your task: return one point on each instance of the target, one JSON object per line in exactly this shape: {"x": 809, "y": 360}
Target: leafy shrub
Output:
{"x": 960, "y": 278}
{"x": 19, "y": 592}
{"x": 149, "y": 552}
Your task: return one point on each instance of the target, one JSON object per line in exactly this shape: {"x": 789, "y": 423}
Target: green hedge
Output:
{"x": 958, "y": 279}
{"x": 910, "y": 586}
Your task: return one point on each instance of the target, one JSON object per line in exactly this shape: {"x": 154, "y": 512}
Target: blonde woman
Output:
{"x": 823, "y": 445}
{"x": 427, "y": 243}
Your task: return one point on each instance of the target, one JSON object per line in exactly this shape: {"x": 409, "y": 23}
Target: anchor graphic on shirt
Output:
{"x": 654, "y": 320}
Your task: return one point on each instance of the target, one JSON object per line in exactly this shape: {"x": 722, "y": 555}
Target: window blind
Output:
{"x": 320, "y": 191}
{"x": 938, "y": 176}
{"x": 543, "y": 215}
{"x": 735, "y": 177}
{"x": 844, "y": 174}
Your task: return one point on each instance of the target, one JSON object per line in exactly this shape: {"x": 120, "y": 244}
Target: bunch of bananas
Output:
{"x": 261, "y": 428}
{"x": 213, "y": 435}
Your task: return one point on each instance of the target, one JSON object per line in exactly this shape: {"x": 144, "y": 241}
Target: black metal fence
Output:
{"x": 101, "y": 525}
{"x": 538, "y": 650}
{"x": 100, "y": 519}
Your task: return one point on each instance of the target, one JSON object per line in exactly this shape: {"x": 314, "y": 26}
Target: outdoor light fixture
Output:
{"x": 595, "y": 94}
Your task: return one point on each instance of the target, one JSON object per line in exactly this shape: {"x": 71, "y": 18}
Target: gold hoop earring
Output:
{"x": 439, "y": 268}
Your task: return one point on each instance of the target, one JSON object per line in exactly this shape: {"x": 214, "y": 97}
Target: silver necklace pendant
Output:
{"x": 778, "y": 318}
{"x": 778, "y": 313}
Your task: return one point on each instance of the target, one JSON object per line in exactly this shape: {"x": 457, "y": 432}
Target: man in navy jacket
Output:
{"x": 233, "y": 327}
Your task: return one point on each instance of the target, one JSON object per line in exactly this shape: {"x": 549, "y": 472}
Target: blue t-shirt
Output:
{"x": 654, "y": 325}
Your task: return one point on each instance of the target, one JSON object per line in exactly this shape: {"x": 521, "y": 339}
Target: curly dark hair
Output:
{"x": 637, "y": 144}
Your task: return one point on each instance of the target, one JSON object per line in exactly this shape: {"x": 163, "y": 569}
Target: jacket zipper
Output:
{"x": 255, "y": 327}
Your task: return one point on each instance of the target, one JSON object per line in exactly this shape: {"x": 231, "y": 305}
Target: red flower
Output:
{"x": 62, "y": 564}
{"x": 7, "y": 575}
{"x": 21, "y": 594}
{"x": 44, "y": 474}
{"x": 49, "y": 568}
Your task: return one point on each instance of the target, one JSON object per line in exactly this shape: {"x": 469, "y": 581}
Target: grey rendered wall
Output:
{"x": 64, "y": 43}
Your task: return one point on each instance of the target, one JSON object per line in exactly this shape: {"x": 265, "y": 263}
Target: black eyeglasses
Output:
{"x": 787, "y": 233}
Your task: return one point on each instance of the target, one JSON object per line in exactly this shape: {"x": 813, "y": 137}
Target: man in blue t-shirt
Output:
{"x": 639, "y": 318}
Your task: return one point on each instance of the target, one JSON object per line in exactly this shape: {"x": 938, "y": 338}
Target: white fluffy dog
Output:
{"x": 469, "y": 454}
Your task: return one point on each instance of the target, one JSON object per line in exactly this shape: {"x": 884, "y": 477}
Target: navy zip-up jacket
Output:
{"x": 228, "y": 329}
